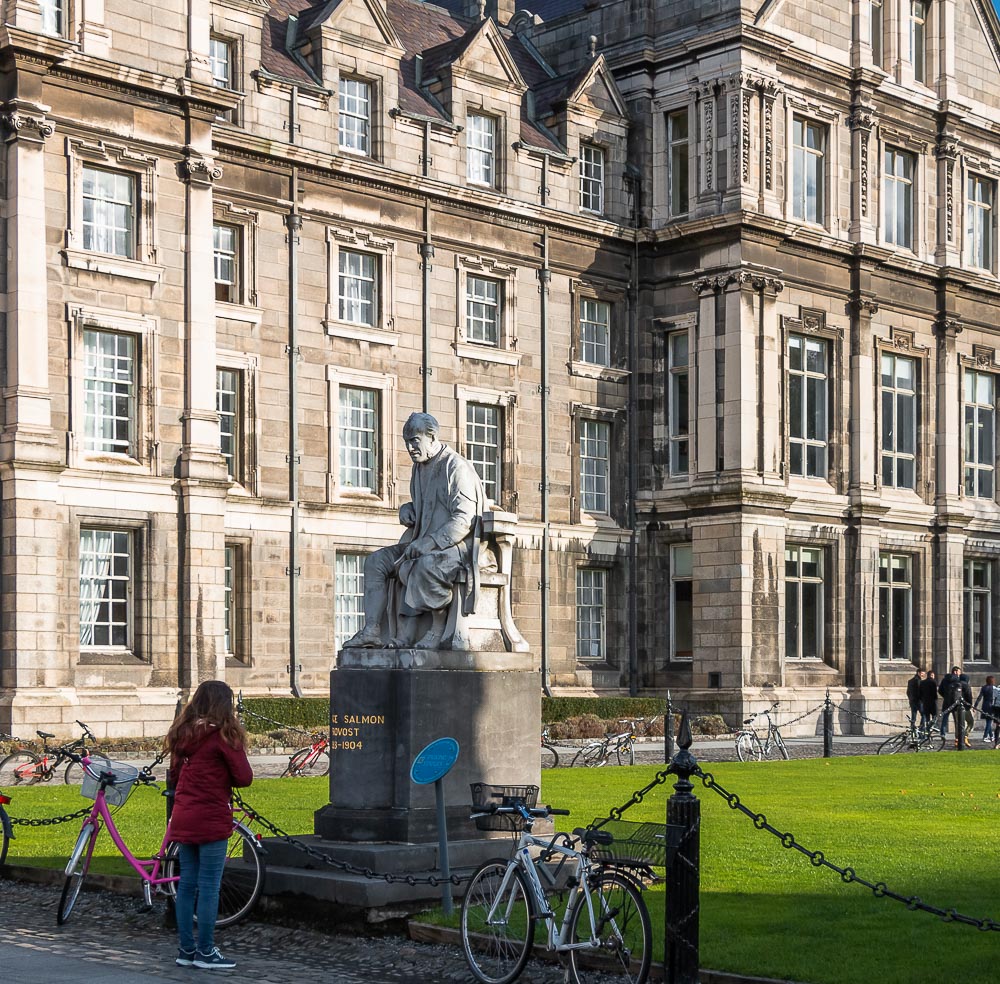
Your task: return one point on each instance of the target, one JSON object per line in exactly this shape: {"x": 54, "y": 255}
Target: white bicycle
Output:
{"x": 604, "y": 928}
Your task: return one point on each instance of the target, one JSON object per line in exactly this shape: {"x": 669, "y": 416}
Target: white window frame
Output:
{"x": 893, "y": 396}
{"x": 593, "y": 467}
{"x": 54, "y": 17}
{"x": 359, "y": 414}
{"x": 817, "y": 159}
{"x": 918, "y": 24}
{"x": 349, "y": 585}
{"x": 141, "y": 168}
{"x": 681, "y": 572}
{"x": 355, "y": 99}
{"x": 592, "y": 177}
{"x": 678, "y": 438}
{"x": 358, "y": 290}
{"x": 226, "y": 265}
{"x": 505, "y": 402}
{"x": 899, "y": 196}
{"x": 973, "y": 596}
{"x": 798, "y": 581}
{"x": 246, "y": 223}
{"x": 888, "y": 590}
{"x": 483, "y": 310}
{"x": 806, "y": 375}
{"x": 591, "y": 614}
{"x": 382, "y": 331}
{"x": 229, "y": 406}
{"x": 384, "y": 385}
{"x": 678, "y": 158}
{"x": 481, "y": 141}
{"x": 484, "y": 445}
{"x": 110, "y": 375}
{"x": 247, "y": 369}
{"x": 980, "y": 410}
{"x": 980, "y": 221}
{"x": 595, "y": 350}
{"x": 109, "y": 573}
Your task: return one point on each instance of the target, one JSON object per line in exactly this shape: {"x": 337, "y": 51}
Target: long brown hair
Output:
{"x": 210, "y": 707}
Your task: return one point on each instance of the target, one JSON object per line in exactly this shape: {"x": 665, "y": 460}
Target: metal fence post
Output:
{"x": 827, "y": 728}
{"x": 668, "y": 733}
{"x": 683, "y": 874}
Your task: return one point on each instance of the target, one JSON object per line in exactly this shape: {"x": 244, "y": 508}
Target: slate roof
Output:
{"x": 436, "y": 33}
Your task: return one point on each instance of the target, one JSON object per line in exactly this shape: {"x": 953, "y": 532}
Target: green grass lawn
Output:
{"x": 925, "y": 825}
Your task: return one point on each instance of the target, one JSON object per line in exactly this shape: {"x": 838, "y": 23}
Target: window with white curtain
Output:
{"x": 109, "y": 212}
{"x": 106, "y": 590}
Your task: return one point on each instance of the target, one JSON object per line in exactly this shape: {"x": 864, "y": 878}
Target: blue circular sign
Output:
{"x": 434, "y": 761}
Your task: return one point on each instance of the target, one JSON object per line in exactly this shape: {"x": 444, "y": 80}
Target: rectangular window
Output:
{"x": 480, "y": 137}
{"x": 678, "y": 406}
{"x": 807, "y": 406}
{"x": 678, "y": 162}
{"x": 980, "y": 221}
{"x": 225, "y": 244}
{"x": 978, "y": 584}
{"x": 109, "y": 390}
{"x": 595, "y": 465}
{"x": 230, "y": 597}
{"x": 228, "y": 391}
{"x": 105, "y": 588}
{"x": 354, "y": 121}
{"x": 356, "y": 288}
{"x": 899, "y": 421}
{"x": 482, "y": 310}
{"x": 590, "y": 614}
{"x": 109, "y": 212}
{"x": 220, "y": 55}
{"x": 808, "y": 171}
{"x": 358, "y": 426}
{"x": 803, "y": 603}
{"x": 919, "y": 10}
{"x": 349, "y": 613}
{"x": 898, "y": 195}
{"x": 591, "y": 178}
{"x": 483, "y": 446}
{"x": 53, "y": 14}
{"x": 681, "y": 597}
{"x": 876, "y": 31}
{"x": 895, "y": 606}
{"x": 980, "y": 433}
{"x": 595, "y": 332}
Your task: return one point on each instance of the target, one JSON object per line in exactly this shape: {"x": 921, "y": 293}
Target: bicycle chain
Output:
{"x": 848, "y": 875}
{"x": 351, "y": 869}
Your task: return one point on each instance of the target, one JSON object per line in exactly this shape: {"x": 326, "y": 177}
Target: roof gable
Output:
{"x": 595, "y": 89}
{"x": 485, "y": 54}
{"x": 362, "y": 20}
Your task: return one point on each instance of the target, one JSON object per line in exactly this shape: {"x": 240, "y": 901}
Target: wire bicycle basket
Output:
{"x": 639, "y": 843}
{"x": 485, "y": 796}
{"x": 115, "y": 793}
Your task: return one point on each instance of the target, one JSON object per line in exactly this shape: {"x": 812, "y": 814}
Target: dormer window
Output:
{"x": 481, "y": 136}
{"x": 591, "y": 178}
{"x": 354, "y": 121}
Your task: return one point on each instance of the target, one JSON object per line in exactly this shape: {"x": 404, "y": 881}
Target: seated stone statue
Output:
{"x": 438, "y": 553}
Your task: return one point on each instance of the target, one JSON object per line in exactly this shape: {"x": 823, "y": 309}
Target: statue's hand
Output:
{"x": 407, "y": 514}
{"x": 417, "y": 548}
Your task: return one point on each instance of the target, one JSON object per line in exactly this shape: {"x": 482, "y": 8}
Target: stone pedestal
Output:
{"x": 387, "y": 704}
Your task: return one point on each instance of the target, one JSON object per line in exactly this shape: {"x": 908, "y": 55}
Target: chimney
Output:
{"x": 500, "y": 10}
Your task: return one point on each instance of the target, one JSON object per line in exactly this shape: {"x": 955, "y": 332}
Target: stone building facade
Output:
{"x": 707, "y": 291}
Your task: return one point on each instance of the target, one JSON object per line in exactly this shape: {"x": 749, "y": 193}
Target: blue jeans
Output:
{"x": 201, "y": 876}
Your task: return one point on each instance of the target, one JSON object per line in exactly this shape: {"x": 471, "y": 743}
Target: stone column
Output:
{"x": 742, "y": 100}
{"x": 199, "y": 20}
{"x": 770, "y": 203}
{"x": 948, "y": 250}
{"x": 708, "y": 184}
{"x": 863, "y": 210}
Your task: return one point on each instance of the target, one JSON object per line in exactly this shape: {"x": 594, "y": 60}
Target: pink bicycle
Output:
{"x": 109, "y": 784}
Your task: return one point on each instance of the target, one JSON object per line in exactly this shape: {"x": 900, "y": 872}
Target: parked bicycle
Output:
{"x": 915, "y": 740}
{"x": 550, "y": 754}
{"x": 109, "y": 784}
{"x": 26, "y": 768}
{"x": 598, "y": 751}
{"x": 749, "y": 746}
{"x": 314, "y": 759}
{"x": 6, "y": 830}
{"x": 604, "y": 927}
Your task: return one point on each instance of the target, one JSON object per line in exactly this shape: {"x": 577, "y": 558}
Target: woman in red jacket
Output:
{"x": 207, "y": 746}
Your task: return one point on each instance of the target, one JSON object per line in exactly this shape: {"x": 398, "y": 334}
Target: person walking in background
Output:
{"x": 984, "y": 700}
{"x": 913, "y": 695}
{"x": 956, "y": 697}
{"x": 928, "y": 694}
{"x": 207, "y": 746}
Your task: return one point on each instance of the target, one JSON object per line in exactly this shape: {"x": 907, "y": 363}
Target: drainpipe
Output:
{"x": 633, "y": 448}
{"x": 426, "y": 255}
{"x": 544, "y": 276}
{"x": 293, "y": 221}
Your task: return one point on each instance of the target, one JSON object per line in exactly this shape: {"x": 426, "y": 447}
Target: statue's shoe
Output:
{"x": 367, "y": 638}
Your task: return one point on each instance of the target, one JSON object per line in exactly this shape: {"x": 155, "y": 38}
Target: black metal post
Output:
{"x": 680, "y": 944}
{"x": 959, "y": 721}
{"x": 668, "y": 725}
{"x": 828, "y": 728}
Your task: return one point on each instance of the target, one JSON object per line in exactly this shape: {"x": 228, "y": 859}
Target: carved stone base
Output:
{"x": 387, "y": 705}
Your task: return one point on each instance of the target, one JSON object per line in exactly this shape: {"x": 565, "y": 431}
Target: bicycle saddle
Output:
{"x": 44, "y": 734}
{"x": 588, "y": 836}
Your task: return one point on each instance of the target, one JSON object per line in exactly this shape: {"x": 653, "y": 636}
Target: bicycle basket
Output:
{"x": 116, "y": 794}
{"x": 639, "y": 843}
{"x": 485, "y": 795}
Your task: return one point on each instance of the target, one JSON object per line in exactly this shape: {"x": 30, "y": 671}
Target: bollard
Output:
{"x": 960, "y": 724}
{"x": 828, "y": 728}
{"x": 680, "y": 945}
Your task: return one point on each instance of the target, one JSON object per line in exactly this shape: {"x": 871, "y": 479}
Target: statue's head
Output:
{"x": 420, "y": 437}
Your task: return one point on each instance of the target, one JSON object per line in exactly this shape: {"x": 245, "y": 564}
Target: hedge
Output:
{"x": 606, "y": 708}
{"x": 308, "y": 713}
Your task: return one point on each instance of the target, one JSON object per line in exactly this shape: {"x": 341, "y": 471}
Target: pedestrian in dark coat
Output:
{"x": 207, "y": 746}
{"x": 928, "y": 694}
{"x": 913, "y": 695}
{"x": 985, "y": 698}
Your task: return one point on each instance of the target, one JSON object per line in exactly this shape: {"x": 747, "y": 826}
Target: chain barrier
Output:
{"x": 346, "y": 866}
{"x": 847, "y": 875}
{"x": 50, "y": 821}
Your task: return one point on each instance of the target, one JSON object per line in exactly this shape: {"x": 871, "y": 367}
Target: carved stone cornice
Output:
{"x": 21, "y": 124}
{"x": 947, "y": 149}
{"x": 947, "y": 327}
{"x": 862, "y": 118}
{"x": 864, "y": 307}
{"x": 718, "y": 283}
{"x": 200, "y": 170}
{"x": 758, "y": 281}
